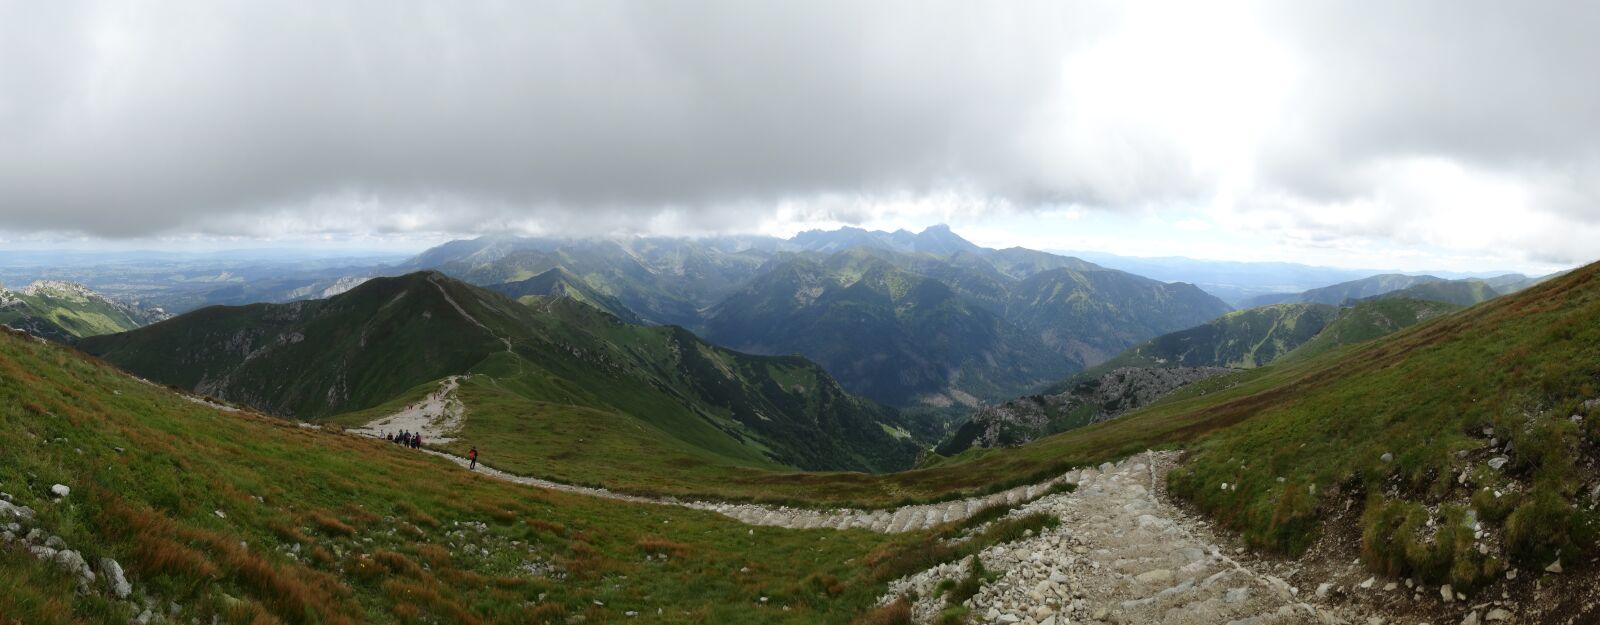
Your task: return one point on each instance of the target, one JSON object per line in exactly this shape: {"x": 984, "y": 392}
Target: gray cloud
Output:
{"x": 232, "y": 117}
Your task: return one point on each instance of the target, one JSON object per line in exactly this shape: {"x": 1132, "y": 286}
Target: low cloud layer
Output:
{"x": 1466, "y": 125}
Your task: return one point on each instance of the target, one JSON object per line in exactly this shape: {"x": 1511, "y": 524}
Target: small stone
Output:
{"x": 219, "y": 514}
{"x": 1156, "y": 576}
{"x": 1324, "y": 589}
{"x": 1471, "y": 619}
{"x": 1555, "y": 567}
{"x": 1497, "y": 462}
{"x": 1498, "y": 614}
{"x": 1446, "y": 593}
{"x": 1387, "y": 457}
{"x": 60, "y": 490}
{"x": 1511, "y": 574}
{"x": 1367, "y": 583}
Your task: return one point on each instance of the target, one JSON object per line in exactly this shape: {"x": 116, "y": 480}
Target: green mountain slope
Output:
{"x": 558, "y": 282}
{"x": 1369, "y": 320}
{"x": 1241, "y": 339}
{"x": 388, "y": 341}
{"x": 910, "y": 329}
{"x": 891, "y": 335}
{"x": 65, "y": 311}
{"x": 233, "y": 517}
{"x": 1338, "y": 294}
{"x": 1090, "y": 316}
{"x": 665, "y": 281}
{"x": 1458, "y": 292}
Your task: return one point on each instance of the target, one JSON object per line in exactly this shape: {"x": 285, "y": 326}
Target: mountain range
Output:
{"x": 549, "y": 363}
{"x": 924, "y": 319}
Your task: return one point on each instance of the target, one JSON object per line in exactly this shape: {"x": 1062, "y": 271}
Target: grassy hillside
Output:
{"x": 1338, "y": 294}
{"x": 1391, "y": 426}
{"x": 63, "y": 311}
{"x": 1369, "y": 320}
{"x": 1241, "y": 339}
{"x": 382, "y": 344}
{"x": 252, "y": 520}
{"x": 1458, "y": 292}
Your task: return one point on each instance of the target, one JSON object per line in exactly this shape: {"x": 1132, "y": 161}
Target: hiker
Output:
{"x": 416, "y": 441}
{"x": 473, "y": 457}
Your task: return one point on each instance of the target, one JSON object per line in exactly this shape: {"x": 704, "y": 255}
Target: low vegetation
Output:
{"x": 255, "y": 520}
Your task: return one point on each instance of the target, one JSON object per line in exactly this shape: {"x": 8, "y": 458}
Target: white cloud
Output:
{"x": 1455, "y": 129}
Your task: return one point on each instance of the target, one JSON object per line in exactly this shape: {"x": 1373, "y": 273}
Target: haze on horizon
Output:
{"x": 1413, "y": 136}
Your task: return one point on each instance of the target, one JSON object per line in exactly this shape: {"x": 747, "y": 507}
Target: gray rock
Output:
{"x": 60, "y": 490}
{"x": 1497, "y": 462}
{"x": 1387, "y": 457}
{"x": 1555, "y": 567}
{"x": 9, "y": 510}
{"x": 1446, "y": 593}
{"x": 115, "y": 579}
{"x": 1155, "y": 576}
{"x": 1498, "y": 614}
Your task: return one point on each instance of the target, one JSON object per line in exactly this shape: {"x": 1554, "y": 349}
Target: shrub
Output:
{"x": 1545, "y": 527}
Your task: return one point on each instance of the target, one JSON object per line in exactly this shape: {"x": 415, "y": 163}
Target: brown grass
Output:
{"x": 897, "y": 613}
{"x": 329, "y": 525}
{"x": 656, "y": 545}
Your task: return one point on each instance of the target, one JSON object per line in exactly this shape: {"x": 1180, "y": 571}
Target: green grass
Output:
{"x": 378, "y": 534}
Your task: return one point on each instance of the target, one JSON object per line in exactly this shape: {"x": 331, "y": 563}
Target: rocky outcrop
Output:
{"x": 1091, "y": 401}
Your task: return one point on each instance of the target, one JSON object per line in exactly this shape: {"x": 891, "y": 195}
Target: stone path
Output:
{"x": 1120, "y": 555}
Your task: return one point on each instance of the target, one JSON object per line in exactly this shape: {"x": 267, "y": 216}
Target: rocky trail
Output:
{"x": 1120, "y": 555}
{"x": 435, "y": 417}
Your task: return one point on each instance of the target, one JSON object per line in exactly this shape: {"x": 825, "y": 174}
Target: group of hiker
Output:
{"x": 414, "y": 441}
{"x": 406, "y": 439}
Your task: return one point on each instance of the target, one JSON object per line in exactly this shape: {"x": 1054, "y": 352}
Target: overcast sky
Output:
{"x": 1413, "y": 135}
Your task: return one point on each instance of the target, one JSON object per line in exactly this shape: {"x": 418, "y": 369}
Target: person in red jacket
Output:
{"x": 473, "y": 457}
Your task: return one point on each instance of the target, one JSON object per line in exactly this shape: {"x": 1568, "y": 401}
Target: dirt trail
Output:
{"x": 441, "y": 414}
{"x": 1121, "y": 555}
